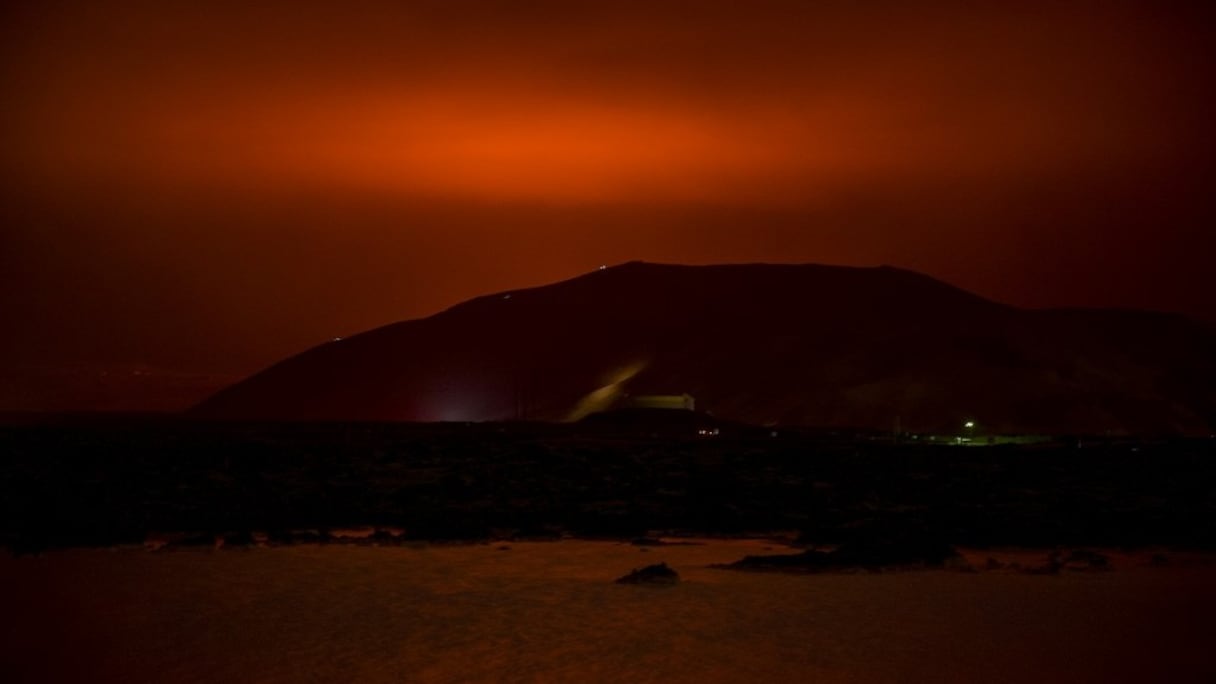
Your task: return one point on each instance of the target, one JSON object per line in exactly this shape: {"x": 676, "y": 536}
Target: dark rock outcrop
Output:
{"x": 1087, "y": 561}
{"x": 191, "y": 541}
{"x": 658, "y": 574}
{"x": 239, "y": 539}
{"x": 872, "y": 555}
{"x": 1077, "y": 560}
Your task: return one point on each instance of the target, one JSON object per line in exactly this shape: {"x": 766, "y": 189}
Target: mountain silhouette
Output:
{"x": 763, "y": 344}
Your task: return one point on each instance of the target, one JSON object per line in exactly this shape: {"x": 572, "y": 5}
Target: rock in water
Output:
{"x": 659, "y": 573}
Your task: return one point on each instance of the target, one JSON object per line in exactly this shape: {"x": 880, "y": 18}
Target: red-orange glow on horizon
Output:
{"x": 535, "y": 147}
{"x": 535, "y": 116}
{"x": 549, "y": 147}
{"x": 545, "y": 151}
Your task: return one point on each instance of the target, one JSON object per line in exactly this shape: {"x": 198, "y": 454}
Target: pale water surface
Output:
{"x": 549, "y": 611}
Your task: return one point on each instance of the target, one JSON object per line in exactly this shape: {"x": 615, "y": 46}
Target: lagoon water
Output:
{"x": 550, "y": 612}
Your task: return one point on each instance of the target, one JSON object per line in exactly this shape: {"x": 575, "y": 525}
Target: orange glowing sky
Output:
{"x": 206, "y": 187}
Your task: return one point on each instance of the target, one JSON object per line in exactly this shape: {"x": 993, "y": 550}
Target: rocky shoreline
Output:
{"x": 105, "y": 484}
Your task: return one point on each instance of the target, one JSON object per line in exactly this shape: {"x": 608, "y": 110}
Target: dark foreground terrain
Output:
{"x": 102, "y": 482}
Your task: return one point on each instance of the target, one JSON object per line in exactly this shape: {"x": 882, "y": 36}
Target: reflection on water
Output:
{"x": 550, "y": 612}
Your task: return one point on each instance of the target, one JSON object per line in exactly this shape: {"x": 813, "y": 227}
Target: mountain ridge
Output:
{"x": 805, "y": 344}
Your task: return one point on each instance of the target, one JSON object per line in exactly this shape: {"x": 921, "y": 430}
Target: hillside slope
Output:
{"x": 765, "y": 344}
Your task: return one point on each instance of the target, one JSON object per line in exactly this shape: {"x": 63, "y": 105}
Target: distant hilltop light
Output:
{"x": 603, "y": 267}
